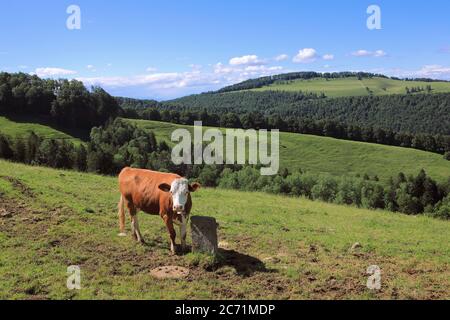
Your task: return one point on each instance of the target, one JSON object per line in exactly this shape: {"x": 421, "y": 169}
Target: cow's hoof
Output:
{"x": 122, "y": 234}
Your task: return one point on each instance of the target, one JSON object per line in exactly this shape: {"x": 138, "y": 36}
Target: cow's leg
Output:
{"x": 121, "y": 216}
{"x": 183, "y": 232}
{"x": 135, "y": 232}
{"x": 172, "y": 233}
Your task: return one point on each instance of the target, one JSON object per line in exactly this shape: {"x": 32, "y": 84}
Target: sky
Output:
{"x": 166, "y": 49}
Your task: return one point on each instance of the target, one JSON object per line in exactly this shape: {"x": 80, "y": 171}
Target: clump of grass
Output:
{"x": 208, "y": 262}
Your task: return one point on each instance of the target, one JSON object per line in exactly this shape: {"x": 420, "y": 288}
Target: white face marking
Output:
{"x": 180, "y": 191}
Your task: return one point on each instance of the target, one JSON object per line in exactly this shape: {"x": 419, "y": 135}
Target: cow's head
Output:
{"x": 179, "y": 190}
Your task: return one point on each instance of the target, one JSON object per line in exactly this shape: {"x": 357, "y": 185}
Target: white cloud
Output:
{"x": 90, "y": 67}
{"x": 22, "y": 67}
{"x": 366, "y": 53}
{"x": 361, "y": 53}
{"x": 306, "y": 55}
{"x": 169, "y": 85}
{"x": 249, "y": 60}
{"x": 220, "y": 68}
{"x": 151, "y": 69}
{"x": 328, "y": 57}
{"x": 281, "y": 57}
{"x": 52, "y": 72}
{"x": 434, "y": 71}
{"x": 379, "y": 53}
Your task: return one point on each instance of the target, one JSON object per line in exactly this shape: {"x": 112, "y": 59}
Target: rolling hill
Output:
{"x": 21, "y": 127}
{"x": 352, "y": 86}
{"x": 272, "y": 247}
{"x": 338, "y": 157}
{"x": 310, "y": 153}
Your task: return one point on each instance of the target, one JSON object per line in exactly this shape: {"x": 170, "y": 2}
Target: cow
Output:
{"x": 156, "y": 193}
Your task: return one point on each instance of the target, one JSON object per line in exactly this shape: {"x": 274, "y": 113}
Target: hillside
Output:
{"x": 275, "y": 248}
{"x": 352, "y": 86}
{"x": 338, "y": 157}
{"x": 23, "y": 126}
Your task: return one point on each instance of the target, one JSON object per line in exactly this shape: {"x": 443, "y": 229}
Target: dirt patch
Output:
{"x": 19, "y": 186}
{"x": 170, "y": 272}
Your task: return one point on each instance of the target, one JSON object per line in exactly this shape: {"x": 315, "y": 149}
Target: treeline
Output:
{"x": 410, "y": 195}
{"x": 327, "y": 128}
{"x": 130, "y": 103}
{"x": 416, "y": 114}
{"x": 116, "y": 145}
{"x": 67, "y": 103}
{"x": 413, "y": 90}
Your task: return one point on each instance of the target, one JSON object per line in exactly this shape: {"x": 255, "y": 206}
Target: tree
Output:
{"x": 447, "y": 156}
{"x": 81, "y": 158}
{"x": 33, "y": 143}
{"x": 6, "y": 151}
{"x": 20, "y": 152}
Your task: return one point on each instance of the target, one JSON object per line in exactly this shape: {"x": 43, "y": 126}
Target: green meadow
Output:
{"x": 272, "y": 247}
{"x": 22, "y": 128}
{"x": 353, "y": 87}
{"x": 337, "y": 157}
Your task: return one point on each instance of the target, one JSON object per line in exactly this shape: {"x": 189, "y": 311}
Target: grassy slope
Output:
{"x": 65, "y": 218}
{"x": 19, "y": 129}
{"x": 339, "y": 157}
{"x": 354, "y": 87}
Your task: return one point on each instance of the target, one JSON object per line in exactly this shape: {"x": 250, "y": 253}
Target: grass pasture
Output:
{"x": 272, "y": 247}
{"x": 353, "y": 87}
{"x": 21, "y": 127}
{"x": 338, "y": 157}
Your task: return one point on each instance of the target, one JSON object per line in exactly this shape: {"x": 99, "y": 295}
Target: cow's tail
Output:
{"x": 121, "y": 216}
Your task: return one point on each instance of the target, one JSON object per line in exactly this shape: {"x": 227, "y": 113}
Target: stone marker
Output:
{"x": 204, "y": 234}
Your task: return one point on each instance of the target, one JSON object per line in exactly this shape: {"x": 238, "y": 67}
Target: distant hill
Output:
{"x": 352, "y": 86}
{"x": 337, "y": 157}
{"x": 339, "y": 84}
{"x": 416, "y": 114}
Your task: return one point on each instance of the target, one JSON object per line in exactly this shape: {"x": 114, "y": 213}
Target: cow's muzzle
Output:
{"x": 179, "y": 209}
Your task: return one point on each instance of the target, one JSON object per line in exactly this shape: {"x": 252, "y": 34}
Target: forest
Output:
{"x": 66, "y": 103}
{"x": 418, "y": 113}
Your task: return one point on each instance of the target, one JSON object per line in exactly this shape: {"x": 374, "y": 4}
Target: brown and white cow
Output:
{"x": 155, "y": 193}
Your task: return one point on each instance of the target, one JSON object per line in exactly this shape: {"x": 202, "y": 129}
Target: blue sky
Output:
{"x": 166, "y": 49}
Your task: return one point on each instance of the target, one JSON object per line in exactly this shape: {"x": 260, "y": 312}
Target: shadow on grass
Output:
{"x": 244, "y": 265}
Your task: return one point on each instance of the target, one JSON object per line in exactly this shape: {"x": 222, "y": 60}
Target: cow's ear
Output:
{"x": 164, "y": 187}
{"x": 194, "y": 187}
